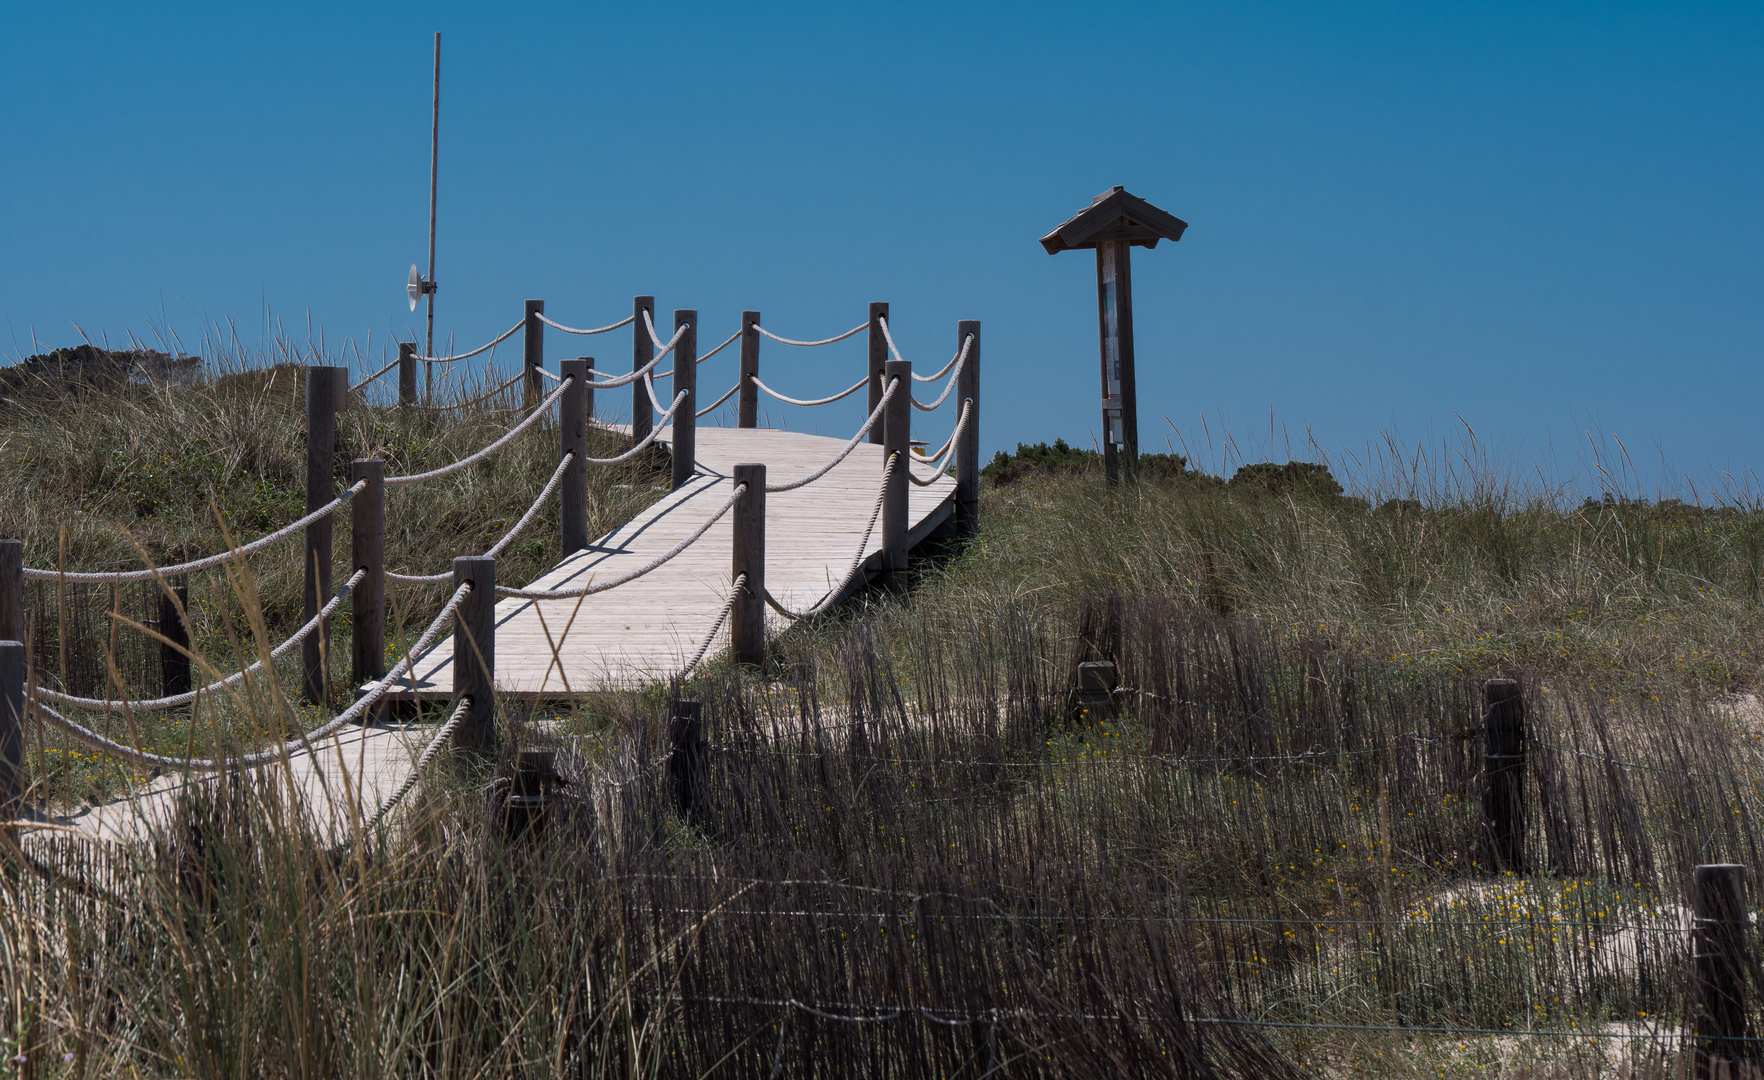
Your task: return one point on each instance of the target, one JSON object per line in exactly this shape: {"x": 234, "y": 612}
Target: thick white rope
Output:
{"x": 812, "y": 344}
{"x": 730, "y": 340}
{"x": 875, "y": 415}
{"x": 854, "y": 388}
{"x": 507, "y": 537}
{"x": 482, "y": 348}
{"x": 668, "y": 346}
{"x": 655, "y": 431}
{"x": 239, "y": 552}
{"x": 472, "y": 459}
{"x": 937, "y": 462}
{"x": 590, "y": 590}
{"x": 614, "y": 381}
{"x": 649, "y": 384}
{"x": 459, "y": 713}
{"x": 967, "y": 342}
{"x": 485, "y": 396}
{"x": 103, "y": 705}
{"x": 374, "y": 376}
{"x": 549, "y": 375}
{"x": 626, "y": 321}
{"x": 713, "y": 406}
{"x": 857, "y": 560}
{"x": 961, "y": 359}
{"x": 419, "y": 579}
{"x": 378, "y": 690}
{"x": 728, "y": 606}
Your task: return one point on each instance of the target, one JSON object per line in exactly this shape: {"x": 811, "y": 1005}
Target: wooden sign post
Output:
{"x": 1113, "y": 224}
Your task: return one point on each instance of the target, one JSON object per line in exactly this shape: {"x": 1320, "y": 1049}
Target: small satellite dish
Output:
{"x": 415, "y": 288}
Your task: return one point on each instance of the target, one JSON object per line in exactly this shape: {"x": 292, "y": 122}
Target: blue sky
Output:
{"x": 1541, "y": 219}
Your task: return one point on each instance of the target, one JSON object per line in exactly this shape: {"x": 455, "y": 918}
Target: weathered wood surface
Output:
{"x": 649, "y": 629}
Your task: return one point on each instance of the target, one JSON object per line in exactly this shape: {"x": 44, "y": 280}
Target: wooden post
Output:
{"x": 747, "y": 627}
{"x": 642, "y": 351}
{"x": 747, "y": 398}
{"x": 572, "y": 434}
{"x": 327, "y": 389}
{"x": 474, "y": 650}
{"x": 174, "y": 651}
{"x": 1503, "y": 796}
{"x": 532, "y": 393}
{"x": 1129, "y": 395}
{"x": 12, "y": 622}
{"x": 1719, "y": 961}
{"x": 897, "y": 443}
{"x": 1114, "y": 300}
{"x": 407, "y": 373}
{"x": 12, "y": 739}
{"x": 685, "y": 446}
{"x": 367, "y": 548}
{"x": 687, "y": 757}
{"x": 878, "y": 357}
{"x": 967, "y": 448}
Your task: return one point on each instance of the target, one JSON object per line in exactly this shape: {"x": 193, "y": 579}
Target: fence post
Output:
{"x": 642, "y": 351}
{"x": 12, "y": 707}
{"x": 367, "y": 549}
{"x": 572, "y": 434}
{"x": 747, "y": 398}
{"x": 474, "y": 650}
{"x": 1719, "y": 962}
{"x": 897, "y": 443}
{"x": 533, "y": 341}
{"x": 12, "y": 623}
{"x": 407, "y": 373}
{"x": 878, "y": 357}
{"x": 685, "y": 446}
{"x": 174, "y": 650}
{"x": 327, "y": 389}
{"x": 967, "y": 448}
{"x": 747, "y": 628}
{"x": 686, "y": 759}
{"x": 1503, "y": 796}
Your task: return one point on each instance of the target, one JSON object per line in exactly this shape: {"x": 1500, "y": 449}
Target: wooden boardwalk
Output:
{"x": 649, "y": 629}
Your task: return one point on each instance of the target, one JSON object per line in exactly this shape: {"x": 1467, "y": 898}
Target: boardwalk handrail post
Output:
{"x": 1719, "y": 962}
{"x": 967, "y": 447}
{"x": 747, "y": 398}
{"x": 642, "y": 351}
{"x": 878, "y": 356}
{"x": 12, "y": 623}
{"x": 174, "y": 632}
{"x": 327, "y": 390}
{"x": 572, "y": 433}
{"x": 474, "y": 650}
{"x": 12, "y": 740}
{"x": 747, "y": 626}
{"x": 1503, "y": 794}
{"x": 685, "y": 380}
{"x": 533, "y": 349}
{"x": 367, "y": 605}
{"x": 407, "y": 373}
{"x": 686, "y": 754}
{"x": 896, "y": 443}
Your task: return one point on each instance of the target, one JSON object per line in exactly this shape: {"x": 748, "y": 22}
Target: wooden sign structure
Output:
{"x": 1114, "y": 223}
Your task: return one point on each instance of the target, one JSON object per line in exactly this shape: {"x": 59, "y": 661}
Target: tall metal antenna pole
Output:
{"x": 434, "y": 166}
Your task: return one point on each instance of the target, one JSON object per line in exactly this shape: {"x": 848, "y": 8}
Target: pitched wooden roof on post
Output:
{"x": 1115, "y": 215}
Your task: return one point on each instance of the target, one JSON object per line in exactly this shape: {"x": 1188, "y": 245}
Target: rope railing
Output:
{"x": 728, "y": 341}
{"x": 659, "y": 560}
{"x": 728, "y": 606}
{"x": 654, "y": 399}
{"x": 474, "y": 458}
{"x": 460, "y": 711}
{"x": 953, "y": 361}
{"x": 665, "y": 347}
{"x": 480, "y": 349}
{"x": 374, "y": 376}
{"x": 715, "y": 405}
{"x": 172, "y": 702}
{"x": 846, "y": 450}
{"x": 507, "y": 537}
{"x": 626, "y": 321}
{"x": 857, "y": 560}
{"x": 376, "y": 691}
{"x": 859, "y": 328}
{"x": 937, "y": 462}
{"x": 847, "y": 392}
{"x": 34, "y": 574}
{"x": 485, "y": 396}
{"x": 614, "y": 381}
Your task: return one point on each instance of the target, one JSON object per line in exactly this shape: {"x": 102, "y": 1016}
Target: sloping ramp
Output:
{"x": 650, "y": 628}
